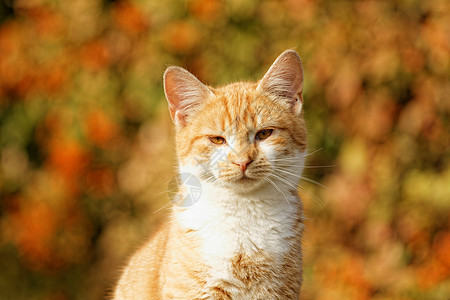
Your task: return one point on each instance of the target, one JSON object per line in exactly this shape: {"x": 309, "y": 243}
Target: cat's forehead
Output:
{"x": 239, "y": 107}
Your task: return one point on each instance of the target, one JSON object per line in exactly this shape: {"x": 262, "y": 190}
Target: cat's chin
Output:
{"x": 244, "y": 184}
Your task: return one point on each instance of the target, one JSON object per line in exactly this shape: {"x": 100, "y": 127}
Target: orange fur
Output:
{"x": 242, "y": 239}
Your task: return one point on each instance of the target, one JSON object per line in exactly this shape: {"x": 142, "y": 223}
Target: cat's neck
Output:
{"x": 229, "y": 225}
{"x": 229, "y": 222}
{"x": 216, "y": 201}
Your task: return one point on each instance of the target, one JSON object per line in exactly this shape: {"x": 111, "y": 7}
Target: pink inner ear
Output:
{"x": 285, "y": 76}
{"x": 171, "y": 95}
{"x": 183, "y": 93}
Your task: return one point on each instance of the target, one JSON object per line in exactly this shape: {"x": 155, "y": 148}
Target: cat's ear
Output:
{"x": 183, "y": 93}
{"x": 284, "y": 80}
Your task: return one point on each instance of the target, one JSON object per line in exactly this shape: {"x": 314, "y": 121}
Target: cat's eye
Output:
{"x": 263, "y": 134}
{"x": 218, "y": 140}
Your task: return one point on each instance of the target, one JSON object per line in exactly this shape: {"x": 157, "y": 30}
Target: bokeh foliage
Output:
{"x": 86, "y": 142}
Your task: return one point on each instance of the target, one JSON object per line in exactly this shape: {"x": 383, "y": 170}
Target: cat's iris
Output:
{"x": 218, "y": 140}
{"x": 263, "y": 134}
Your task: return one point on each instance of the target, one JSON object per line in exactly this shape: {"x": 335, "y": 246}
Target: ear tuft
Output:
{"x": 284, "y": 80}
{"x": 184, "y": 92}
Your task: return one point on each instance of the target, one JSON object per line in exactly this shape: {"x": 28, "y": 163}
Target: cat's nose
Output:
{"x": 243, "y": 164}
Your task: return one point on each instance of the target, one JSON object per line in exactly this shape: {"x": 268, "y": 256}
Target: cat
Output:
{"x": 239, "y": 237}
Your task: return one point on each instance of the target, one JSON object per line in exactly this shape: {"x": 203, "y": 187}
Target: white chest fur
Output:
{"x": 229, "y": 224}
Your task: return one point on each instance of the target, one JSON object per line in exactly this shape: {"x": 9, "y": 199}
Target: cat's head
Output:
{"x": 244, "y": 135}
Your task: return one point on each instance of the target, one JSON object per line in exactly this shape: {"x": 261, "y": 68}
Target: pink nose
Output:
{"x": 243, "y": 164}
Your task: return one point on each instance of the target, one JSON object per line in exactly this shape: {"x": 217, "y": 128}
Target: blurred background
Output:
{"x": 86, "y": 141}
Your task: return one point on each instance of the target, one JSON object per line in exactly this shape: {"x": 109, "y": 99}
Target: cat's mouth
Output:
{"x": 245, "y": 179}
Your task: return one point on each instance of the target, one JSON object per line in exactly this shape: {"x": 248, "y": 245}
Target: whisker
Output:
{"x": 166, "y": 205}
{"x": 325, "y": 166}
{"x": 315, "y": 182}
{"x": 285, "y": 159}
{"x": 273, "y": 183}
{"x": 292, "y": 185}
{"x": 164, "y": 192}
{"x": 315, "y": 198}
{"x": 271, "y": 187}
{"x": 313, "y": 152}
{"x": 300, "y": 187}
{"x": 290, "y": 173}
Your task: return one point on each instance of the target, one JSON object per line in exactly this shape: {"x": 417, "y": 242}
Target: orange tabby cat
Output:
{"x": 239, "y": 237}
